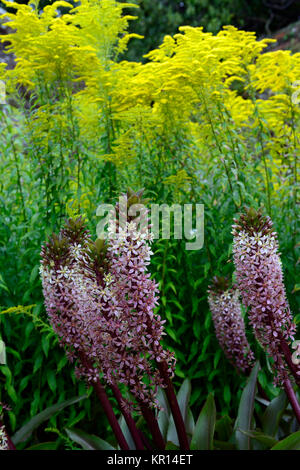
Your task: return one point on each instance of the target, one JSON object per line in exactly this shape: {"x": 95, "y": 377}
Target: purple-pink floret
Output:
{"x": 260, "y": 280}
{"x": 230, "y": 327}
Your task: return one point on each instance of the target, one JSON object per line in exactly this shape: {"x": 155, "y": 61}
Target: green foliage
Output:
{"x": 88, "y": 441}
{"x": 195, "y": 124}
{"x": 246, "y": 407}
{"x": 25, "y": 432}
{"x": 291, "y": 442}
{"x": 273, "y": 414}
{"x": 212, "y": 431}
{"x": 205, "y": 426}
{"x": 155, "y": 19}
{"x": 183, "y": 398}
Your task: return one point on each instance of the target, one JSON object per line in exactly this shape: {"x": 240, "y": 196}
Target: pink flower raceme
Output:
{"x": 229, "y": 324}
{"x": 59, "y": 273}
{"x": 129, "y": 255}
{"x": 260, "y": 281}
{"x": 100, "y": 301}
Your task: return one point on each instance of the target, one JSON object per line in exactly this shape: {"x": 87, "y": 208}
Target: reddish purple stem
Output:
{"x": 152, "y": 423}
{"x": 101, "y": 393}
{"x": 292, "y": 398}
{"x": 288, "y": 357}
{"x": 110, "y": 415}
{"x": 178, "y": 419}
{"x": 128, "y": 418}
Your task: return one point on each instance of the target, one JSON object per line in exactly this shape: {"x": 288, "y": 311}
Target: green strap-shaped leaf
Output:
{"x": 224, "y": 428}
{"x": 273, "y": 413}
{"x": 265, "y": 439}
{"x": 127, "y": 433}
{"x": 245, "y": 413}
{"x": 26, "y": 430}
{"x": 3, "y": 284}
{"x": 291, "y": 442}
{"x": 2, "y": 352}
{"x": 44, "y": 446}
{"x": 88, "y": 441}
{"x": 163, "y": 417}
{"x": 190, "y": 423}
{"x": 205, "y": 427}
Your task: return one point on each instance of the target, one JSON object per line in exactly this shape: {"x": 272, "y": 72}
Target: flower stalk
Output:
{"x": 292, "y": 398}
{"x": 152, "y": 423}
{"x": 100, "y": 390}
{"x": 172, "y": 399}
{"x": 135, "y": 432}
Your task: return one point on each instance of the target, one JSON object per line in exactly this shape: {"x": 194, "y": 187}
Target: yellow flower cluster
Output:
{"x": 199, "y": 96}
{"x": 180, "y": 181}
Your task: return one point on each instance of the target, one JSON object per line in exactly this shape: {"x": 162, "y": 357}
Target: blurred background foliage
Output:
{"x": 196, "y": 123}
{"x": 156, "y": 19}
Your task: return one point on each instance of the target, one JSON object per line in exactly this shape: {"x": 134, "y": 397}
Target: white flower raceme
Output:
{"x": 3, "y": 439}
{"x": 260, "y": 282}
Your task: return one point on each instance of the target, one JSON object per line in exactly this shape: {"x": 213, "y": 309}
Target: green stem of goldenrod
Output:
{"x": 14, "y": 151}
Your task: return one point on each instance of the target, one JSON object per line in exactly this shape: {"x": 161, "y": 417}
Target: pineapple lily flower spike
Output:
{"x": 260, "y": 282}
{"x": 60, "y": 277}
{"x": 100, "y": 301}
{"x": 229, "y": 324}
{"x": 130, "y": 255}
{"x": 225, "y": 306}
